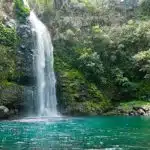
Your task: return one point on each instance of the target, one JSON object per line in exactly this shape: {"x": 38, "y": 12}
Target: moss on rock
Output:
{"x": 11, "y": 85}
{"x": 11, "y": 95}
{"x": 22, "y": 12}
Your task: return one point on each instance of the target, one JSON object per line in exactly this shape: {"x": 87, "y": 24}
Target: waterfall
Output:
{"x": 46, "y": 104}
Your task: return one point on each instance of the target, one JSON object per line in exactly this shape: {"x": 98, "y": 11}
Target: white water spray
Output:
{"x": 46, "y": 99}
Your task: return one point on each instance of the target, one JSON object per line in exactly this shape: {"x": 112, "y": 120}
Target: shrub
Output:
{"x": 8, "y": 36}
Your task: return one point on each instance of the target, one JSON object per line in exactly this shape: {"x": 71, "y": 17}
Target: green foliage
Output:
{"x": 7, "y": 62}
{"x": 143, "y": 92}
{"x": 134, "y": 37}
{"x": 8, "y": 36}
{"x": 76, "y": 95}
{"x": 21, "y": 11}
{"x": 8, "y": 42}
{"x": 105, "y": 53}
{"x": 11, "y": 93}
{"x": 145, "y": 7}
{"x": 96, "y": 29}
{"x": 120, "y": 80}
{"x": 143, "y": 62}
{"x": 90, "y": 63}
{"x": 89, "y": 108}
{"x": 99, "y": 52}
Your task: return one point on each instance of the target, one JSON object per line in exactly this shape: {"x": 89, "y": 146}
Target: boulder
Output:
{"x": 138, "y": 108}
{"x": 131, "y": 113}
{"x": 4, "y": 112}
{"x": 141, "y": 112}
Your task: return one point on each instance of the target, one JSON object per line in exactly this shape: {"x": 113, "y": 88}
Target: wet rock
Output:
{"x": 11, "y": 95}
{"x": 131, "y": 113}
{"x": 4, "y": 112}
{"x": 139, "y": 111}
{"x": 25, "y": 52}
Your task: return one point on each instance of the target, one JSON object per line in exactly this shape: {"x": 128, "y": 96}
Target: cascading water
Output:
{"x": 46, "y": 98}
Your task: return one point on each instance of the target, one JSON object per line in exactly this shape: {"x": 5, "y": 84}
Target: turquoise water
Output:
{"x": 127, "y": 133}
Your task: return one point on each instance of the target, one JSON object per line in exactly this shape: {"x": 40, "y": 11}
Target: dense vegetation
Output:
{"x": 102, "y": 52}
{"x": 108, "y": 45}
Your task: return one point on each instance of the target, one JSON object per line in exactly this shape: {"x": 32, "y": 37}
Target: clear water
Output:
{"x": 46, "y": 104}
{"x": 110, "y": 133}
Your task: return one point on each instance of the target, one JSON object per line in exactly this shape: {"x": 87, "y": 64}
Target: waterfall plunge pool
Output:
{"x": 110, "y": 133}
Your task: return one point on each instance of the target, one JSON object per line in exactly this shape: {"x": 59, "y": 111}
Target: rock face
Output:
{"x": 25, "y": 65}
{"x": 25, "y": 53}
{"x": 11, "y": 96}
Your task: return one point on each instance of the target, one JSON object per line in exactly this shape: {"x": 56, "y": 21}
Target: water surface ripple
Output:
{"x": 108, "y": 133}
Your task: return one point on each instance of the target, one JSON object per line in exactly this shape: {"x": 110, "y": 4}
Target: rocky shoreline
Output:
{"x": 5, "y": 113}
{"x": 135, "y": 110}
{"x": 139, "y": 111}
